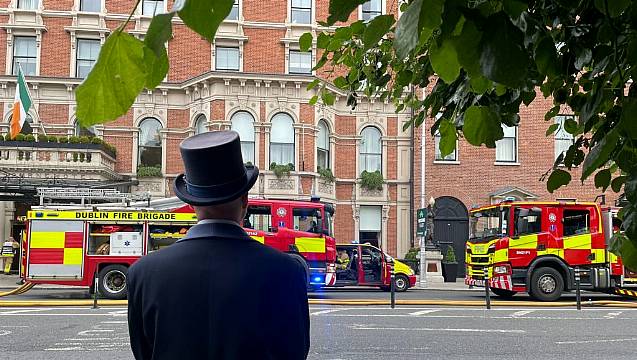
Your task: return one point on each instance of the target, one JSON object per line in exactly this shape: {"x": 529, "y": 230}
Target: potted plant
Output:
{"x": 450, "y": 265}
{"x": 326, "y": 175}
{"x": 372, "y": 180}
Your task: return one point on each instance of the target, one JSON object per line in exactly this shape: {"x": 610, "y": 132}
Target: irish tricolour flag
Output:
{"x": 21, "y": 105}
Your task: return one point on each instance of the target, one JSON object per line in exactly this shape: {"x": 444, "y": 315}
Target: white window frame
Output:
{"x": 327, "y": 151}
{"x": 383, "y": 10}
{"x": 515, "y": 138}
{"x": 361, "y": 153}
{"x": 310, "y": 53}
{"x": 561, "y": 134}
{"x": 225, "y": 47}
{"x": 293, "y": 143}
{"x": 197, "y": 124}
{"x": 36, "y": 57}
{"x": 160, "y": 9}
{"x": 140, "y": 146}
{"x": 237, "y": 5}
{"x": 245, "y": 142}
{"x": 77, "y": 52}
{"x": 291, "y": 11}
{"x": 101, "y": 8}
{"x": 449, "y": 159}
{"x": 19, "y": 2}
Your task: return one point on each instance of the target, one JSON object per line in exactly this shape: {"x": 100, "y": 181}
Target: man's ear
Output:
{"x": 244, "y": 200}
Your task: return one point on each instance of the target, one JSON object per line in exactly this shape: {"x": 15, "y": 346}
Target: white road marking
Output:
{"x": 595, "y": 341}
{"x": 114, "y": 322}
{"x": 74, "y": 348}
{"x": 89, "y": 332}
{"x": 423, "y": 312}
{"x": 504, "y": 331}
{"x": 22, "y": 311}
{"x": 612, "y": 315}
{"x": 521, "y": 313}
{"x": 4, "y": 332}
{"x": 326, "y": 311}
{"x": 474, "y": 317}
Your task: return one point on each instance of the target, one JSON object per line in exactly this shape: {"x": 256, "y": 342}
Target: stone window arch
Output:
{"x": 371, "y": 150}
{"x": 243, "y": 123}
{"x": 149, "y": 148}
{"x": 282, "y": 139}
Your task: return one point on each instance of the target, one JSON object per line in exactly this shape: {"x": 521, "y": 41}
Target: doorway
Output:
{"x": 451, "y": 228}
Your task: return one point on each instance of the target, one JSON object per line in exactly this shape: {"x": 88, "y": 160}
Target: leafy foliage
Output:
{"x": 481, "y": 60}
{"x": 372, "y": 180}
{"x": 149, "y": 171}
{"x": 450, "y": 256}
{"x": 326, "y": 175}
{"x": 281, "y": 170}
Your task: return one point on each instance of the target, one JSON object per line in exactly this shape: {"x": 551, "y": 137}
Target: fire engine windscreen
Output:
{"x": 488, "y": 224}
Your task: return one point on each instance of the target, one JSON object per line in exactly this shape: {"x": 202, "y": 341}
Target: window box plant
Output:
{"x": 372, "y": 180}
{"x": 326, "y": 175}
{"x": 148, "y": 171}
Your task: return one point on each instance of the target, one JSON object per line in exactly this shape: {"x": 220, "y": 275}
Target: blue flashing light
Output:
{"x": 317, "y": 279}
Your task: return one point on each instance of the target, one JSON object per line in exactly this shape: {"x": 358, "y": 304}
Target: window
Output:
{"x": 227, "y": 58}
{"x": 563, "y": 139}
{"x": 152, "y": 7}
{"x": 576, "y": 222}
{"x": 28, "y": 4}
{"x": 234, "y": 12}
{"x": 79, "y": 130}
{"x": 323, "y": 146}
{"x": 369, "y": 227}
{"x": 371, "y": 150}
{"x": 282, "y": 140}
{"x": 307, "y": 219}
{"x": 87, "y": 52}
{"x": 371, "y": 9}
{"x": 243, "y": 123}
{"x": 506, "y": 148}
{"x": 451, "y": 157}
{"x": 24, "y": 55}
{"x": 528, "y": 221}
{"x": 301, "y": 11}
{"x": 300, "y": 62}
{"x": 201, "y": 125}
{"x": 91, "y": 5}
{"x": 149, "y": 150}
{"x": 258, "y": 217}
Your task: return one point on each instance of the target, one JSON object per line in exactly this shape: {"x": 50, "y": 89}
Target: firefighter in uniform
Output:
{"x": 9, "y": 250}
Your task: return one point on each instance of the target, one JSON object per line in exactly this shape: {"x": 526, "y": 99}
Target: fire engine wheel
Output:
{"x": 112, "y": 282}
{"x": 505, "y": 294}
{"x": 546, "y": 284}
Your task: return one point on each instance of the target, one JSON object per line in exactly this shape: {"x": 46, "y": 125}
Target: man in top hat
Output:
{"x": 217, "y": 293}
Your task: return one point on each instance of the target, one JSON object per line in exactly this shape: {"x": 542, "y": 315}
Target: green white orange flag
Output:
{"x": 21, "y": 105}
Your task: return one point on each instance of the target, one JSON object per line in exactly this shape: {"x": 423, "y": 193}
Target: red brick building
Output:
{"x": 253, "y": 79}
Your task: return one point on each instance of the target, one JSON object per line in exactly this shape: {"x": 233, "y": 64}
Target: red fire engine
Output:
{"x": 72, "y": 246}
{"x": 537, "y": 247}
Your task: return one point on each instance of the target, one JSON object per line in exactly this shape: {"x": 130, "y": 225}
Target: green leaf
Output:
{"x": 466, "y": 45}
{"x": 377, "y": 28}
{"x": 156, "y": 67}
{"x": 444, "y": 61}
{"x": 480, "y": 84}
{"x": 205, "y": 16}
{"x": 503, "y": 58}
{"x": 557, "y": 179}
{"x": 313, "y": 100}
{"x": 448, "y": 137}
{"x": 328, "y": 98}
{"x": 482, "y": 126}
{"x": 305, "y": 42}
{"x": 313, "y": 84}
{"x": 571, "y": 126}
{"x": 115, "y": 81}
{"x": 514, "y": 8}
{"x": 322, "y": 41}
{"x": 615, "y": 7}
{"x": 602, "y": 179}
{"x": 552, "y": 129}
{"x": 341, "y": 9}
{"x": 341, "y": 83}
{"x": 546, "y": 57}
{"x": 599, "y": 154}
{"x": 617, "y": 183}
{"x": 629, "y": 118}
{"x": 416, "y": 25}
{"x": 552, "y": 113}
{"x": 159, "y": 32}
{"x": 624, "y": 247}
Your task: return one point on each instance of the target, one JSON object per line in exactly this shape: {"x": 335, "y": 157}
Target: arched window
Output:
{"x": 79, "y": 130}
{"x": 371, "y": 150}
{"x": 323, "y": 146}
{"x": 282, "y": 139}
{"x": 201, "y": 125}
{"x": 149, "y": 148}
{"x": 26, "y": 127}
{"x": 243, "y": 123}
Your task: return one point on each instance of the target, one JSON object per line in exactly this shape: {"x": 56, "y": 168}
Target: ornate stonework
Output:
{"x": 371, "y": 193}
{"x": 281, "y": 184}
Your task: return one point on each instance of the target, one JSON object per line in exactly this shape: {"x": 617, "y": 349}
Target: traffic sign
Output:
{"x": 421, "y": 215}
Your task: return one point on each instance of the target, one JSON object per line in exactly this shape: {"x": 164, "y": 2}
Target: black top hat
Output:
{"x": 214, "y": 169}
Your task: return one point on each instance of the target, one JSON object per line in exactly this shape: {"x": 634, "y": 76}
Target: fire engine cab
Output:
{"x": 69, "y": 246}
{"x": 537, "y": 247}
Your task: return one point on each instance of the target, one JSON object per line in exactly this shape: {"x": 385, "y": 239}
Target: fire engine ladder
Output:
{"x": 86, "y": 196}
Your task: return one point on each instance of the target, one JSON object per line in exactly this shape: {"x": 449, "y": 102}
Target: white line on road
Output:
{"x": 612, "y": 315}
{"x": 423, "y": 312}
{"x": 595, "y": 341}
{"x": 504, "y": 331}
{"x": 522, "y": 313}
{"x": 74, "y": 348}
{"x": 326, "y": 311}
{"x": 12, "y": 312}
{"x": 89, "y": 332}
{"x": 114, "y": 322}
{"x": 4, "y": 332}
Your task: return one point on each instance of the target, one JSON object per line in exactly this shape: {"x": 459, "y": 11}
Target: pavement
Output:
{"x": 356, "y": 333}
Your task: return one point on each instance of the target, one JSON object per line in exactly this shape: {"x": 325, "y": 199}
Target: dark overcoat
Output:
{"x": 218, "y": 294}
